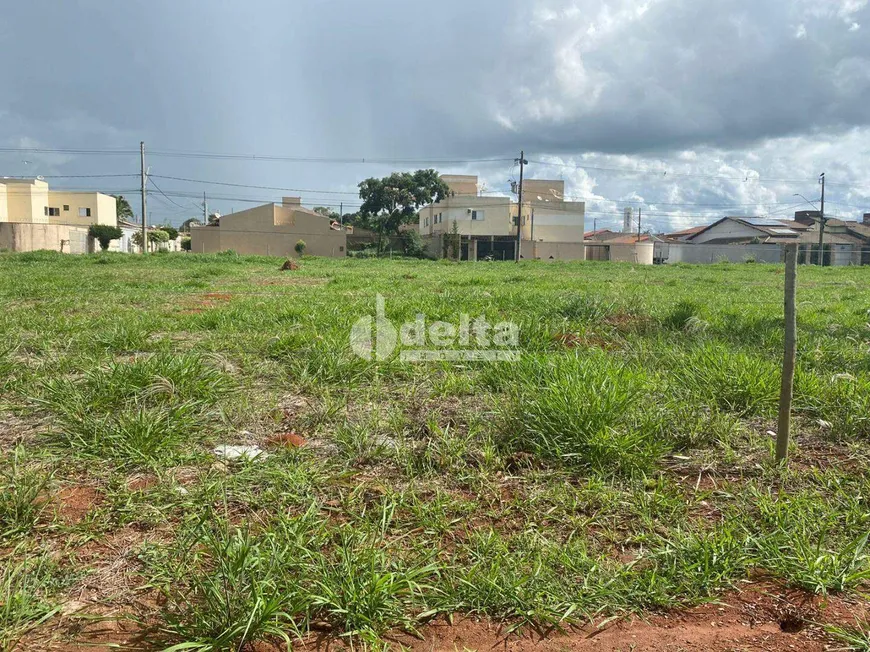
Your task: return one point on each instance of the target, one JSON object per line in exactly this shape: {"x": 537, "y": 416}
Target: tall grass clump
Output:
{"x": 684, "y": 316}
{"x": 22, "y": 494}
{"x": 583, "y": 412}
{"x": 730, "y": 380}
{"x": 525, "y": 578}
{"x": 137, "y": 413}
{"x": 23, "y": 602}
{"x": 841, "y": 399}
{"x": 133, "y": 437}
{"x": 225, "y": 587}
{"x": 586, "y": 308}
{"x": 689, "y": 566}
{"x": 7, "y": 366}
{"x": 364, "y": 588}
{"x": 815, "y": 540}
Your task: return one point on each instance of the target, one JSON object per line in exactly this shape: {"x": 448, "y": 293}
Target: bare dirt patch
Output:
{"x": 293, "y": 280}
{"x": 758, "y": 617}
{"x": 76, "y": 502}
{"x": 141, "y": 482}
{"x": 15, "y": 430}
{"x": 217, "y": 296}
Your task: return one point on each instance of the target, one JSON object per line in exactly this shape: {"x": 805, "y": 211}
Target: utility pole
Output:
{"x": 822, "y": 223}
{"x": 788, "y": 363}
{"x": 639, "y": 218}
{"x": 523, "y": 162}
{"x": 144, "y": 200}
{"x": 204, "y": 210}
{"x": 532, "y": 235}
{"x": 341, "y": 214}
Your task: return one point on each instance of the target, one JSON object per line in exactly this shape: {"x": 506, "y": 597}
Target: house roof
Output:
{"x": 690, "y": 231}
{"x": 630, "y": 238}
{"x": 859, "y": 229}
{"x": 764, "y": 225}
{"x": 597, "y": 232}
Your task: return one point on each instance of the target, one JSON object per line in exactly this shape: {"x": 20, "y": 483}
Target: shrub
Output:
{"x": 412, "y": 244}
{"x": 155, "y": 237}
{"x": 104, "y": 234}
{"x": 300, "y": 247}
{"x": 185, "y": 243}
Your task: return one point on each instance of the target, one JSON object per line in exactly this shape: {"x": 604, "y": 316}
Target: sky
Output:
{"x": 688, "y": 109}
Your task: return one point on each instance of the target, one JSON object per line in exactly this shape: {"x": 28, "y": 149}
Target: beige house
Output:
{"x": 30, "y": 201}
{"x": 487, "y": 226}
{"x": 32, "y": 216}
{"x": 271, "y": 230}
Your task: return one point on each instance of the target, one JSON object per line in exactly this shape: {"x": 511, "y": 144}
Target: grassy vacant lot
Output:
{"x": 622, "y": 466}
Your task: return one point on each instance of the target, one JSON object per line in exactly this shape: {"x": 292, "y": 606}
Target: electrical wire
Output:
{"x": 153, "y": 183}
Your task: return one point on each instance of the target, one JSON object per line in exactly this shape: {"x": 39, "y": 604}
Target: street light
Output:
{"x": 805, "y": 199}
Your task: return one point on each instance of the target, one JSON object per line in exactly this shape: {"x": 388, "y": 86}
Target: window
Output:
{"x": 52, "y": 211}
{"x": 477, "y": 215}
{"x": 66, "y": 208}
{"x": 84, "y": 212}
{"x": 425, "y": 221}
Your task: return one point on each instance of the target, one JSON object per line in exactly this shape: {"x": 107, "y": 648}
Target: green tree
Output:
{"x": 104, "y": 234}
{"x": 412, "y": 244}
{"x": 125, "y": 212}
{"x": 171, "y": 230}
{"x": 327, "y": 212}
{"x": 394, "y": 200}
{"x": 185, "y": 225}
{"x": 454, "y": 242}
{"x": 156, "y": 237}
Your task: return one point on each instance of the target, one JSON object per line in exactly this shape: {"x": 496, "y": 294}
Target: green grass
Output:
{"x": 24, "y": 583}
{"x": 622, "y": 465}
{"x": 23, "y": 494}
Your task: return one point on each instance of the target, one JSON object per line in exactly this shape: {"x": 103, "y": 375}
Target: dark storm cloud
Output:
{"x": 774, "y": 88}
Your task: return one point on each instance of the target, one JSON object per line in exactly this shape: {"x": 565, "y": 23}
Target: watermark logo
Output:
{"x": 376, "y": 338}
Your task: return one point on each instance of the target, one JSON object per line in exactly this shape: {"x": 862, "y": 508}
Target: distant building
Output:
{"x": 627, "y": 219}
{"x": 32, "y": 216}
{"x": 843, "y": 243}
{"x": 487, "y": 225}
{"x": 271, "y": 230}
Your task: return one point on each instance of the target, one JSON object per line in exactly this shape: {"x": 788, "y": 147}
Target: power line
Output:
{"x": 47, "y": 150}
{"x": 585, "y": 199}
{"x": 68, "y": 176}
{"x": 153, "y": 183}
{"x": 319, "y": 159}
{"x": 243, "y": 185}
{"x": 666, "y": 173}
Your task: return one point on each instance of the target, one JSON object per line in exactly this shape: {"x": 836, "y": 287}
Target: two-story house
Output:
{"x": 486, "y": 225}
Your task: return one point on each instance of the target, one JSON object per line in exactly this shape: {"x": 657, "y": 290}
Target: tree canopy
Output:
{"x": 156, "y": 237}
{"x": 327, "y": 212}
{"x": 125, "y": 212}
{"x": 171, "y": 230}
{"x": 104, "y": 234}
{"x": 394, "y": 200}
{"x": 185, "y": 225}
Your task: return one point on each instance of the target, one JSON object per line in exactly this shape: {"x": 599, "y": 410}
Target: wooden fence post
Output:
{"x": 783, "y": 430}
